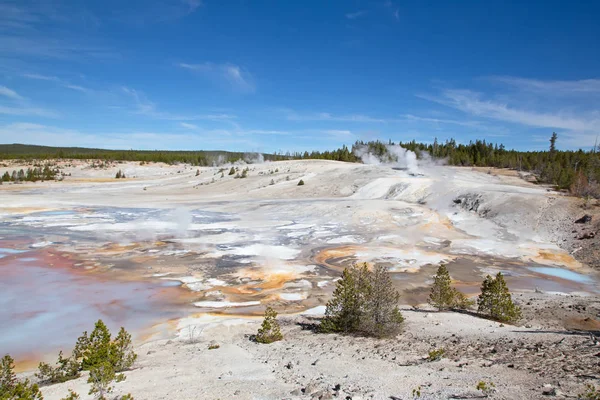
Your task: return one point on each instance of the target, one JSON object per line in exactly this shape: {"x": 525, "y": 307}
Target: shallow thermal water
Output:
{"x": 563, "y": 274}
{"x": 46, "y": 308}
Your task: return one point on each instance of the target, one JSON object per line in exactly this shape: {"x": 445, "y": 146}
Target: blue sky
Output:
{"x": 297, "y": 75}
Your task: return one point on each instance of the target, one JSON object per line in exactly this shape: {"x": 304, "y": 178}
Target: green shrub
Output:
{"x": 90, "y": 351}
{"x": 460, "y": 301}
{"x": 416, "y": 392}
{"x": 232, "y": 171}
{"x": 65, "y": 370}
{"x": 591, "y": 393}
{"x": 301, "y": 183}
{"x": 436, "y": 354}
{"x": 72, "y": 396}
{"x": 363, "y": 302}
{"x": 101, "y": 378}
{"x": 13, "y": 389}
{"x": 486, "y": 388}
{"x": 495, "y": 300}
{"x": 269, "y": 331}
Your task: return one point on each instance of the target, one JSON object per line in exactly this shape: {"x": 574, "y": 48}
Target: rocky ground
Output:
{"x": 546, "y": 357}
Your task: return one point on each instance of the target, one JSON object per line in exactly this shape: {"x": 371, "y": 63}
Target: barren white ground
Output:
{"x": 362, "y": 212}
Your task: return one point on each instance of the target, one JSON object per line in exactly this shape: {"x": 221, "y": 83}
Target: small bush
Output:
{"x": 13, "y": 389}
{"x": 232, "y": 171}
{"x": 101, "y": 378}
{"x": 460, "y": 301}
{"x": 65, "y": 370}
{"x": 591, "y": 393}
{"x": 72, "y": 396}
{"x": 213, "y": 346}
{"x": 301, "y": 183}
{"x": 495, "y": 300}
{"x": 269, "y": 331}
{"x": 436, "y": 355}
{"x": 486, "y": 388}
{"x": 90, "y": 352}
{"x": 416, "y": 392}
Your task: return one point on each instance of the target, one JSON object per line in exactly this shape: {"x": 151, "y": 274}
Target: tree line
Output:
{"x": 31, "y": 175}
{"x": 575, "y": 170}
{"x": 196, "y": 158}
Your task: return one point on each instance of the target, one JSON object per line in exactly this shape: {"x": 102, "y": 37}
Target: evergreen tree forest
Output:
{"x": 575, "y": 170}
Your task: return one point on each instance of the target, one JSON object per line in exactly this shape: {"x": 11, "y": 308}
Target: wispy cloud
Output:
{"x": 411, "y": 117}
{"x": 355, "y": 15}
{"x": 473, "y": 103}
{"x": 192, "y": 5}
{"x": 56, "y": 79}
{"x": 292, "y": 115}
{"x": 55, "y": 136}
{"x": 555, "y": 87}
{"x": 235, "y": 76}
{"x": 188, "y": 126}
{"x": 142, "y": 105}
{"x": 393, "y": 9}
{"x": 20, "y": 106}
{"x": 339, "y": 133}
{"x": 4, "y": 91}
{"x": 27, "y": 112}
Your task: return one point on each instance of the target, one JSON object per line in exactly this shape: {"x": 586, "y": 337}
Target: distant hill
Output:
{"x": 199, "y": 157}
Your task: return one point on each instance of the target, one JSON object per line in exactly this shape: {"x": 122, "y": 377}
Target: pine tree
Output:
{"x": 381, "y": 315}
{"x": 441, "y": 296}
{"x": 343, "y": 311}
{"x": 269, "y": 331}
{"x": 122, "y": 355}
{"x": 495, "y": 300}
{"x": 98, "y": 348}
{"x": 101, "y": 378}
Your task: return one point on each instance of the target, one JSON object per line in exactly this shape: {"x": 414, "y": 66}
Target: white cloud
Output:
{"x": 28, "y": 133}
{"x": 235, "y": 76}
{"x": 355, "y": 15}
{"x": 57, "y": 80}
{"x": 192, "y": 5}
{"x": 11, "y": 94}
{"x": 555, "y": 87}
{"x": 28, "y": 111}
{"x": 20, "y": 106}
{"x": 142, "y": 105}
{"x": 472, "y": 103}
{"x": 411, "y": 117}
{"x": 188, "y": 126}
{"x": 325, "y": 116}
{"x": 42, "y": 77}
